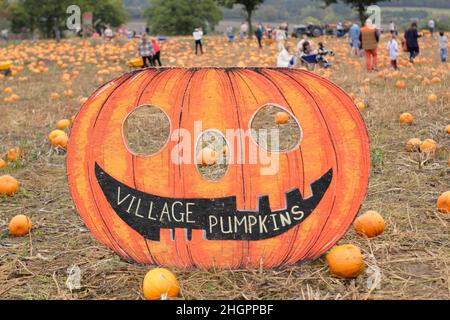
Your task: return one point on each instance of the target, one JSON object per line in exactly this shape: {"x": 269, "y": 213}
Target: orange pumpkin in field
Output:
{"x": 406, "y": 118}
{"x": 63, "y": 124}
{"x": 345, "y": 261}
{"x": 443, "y": 202}
{"x": 370, "y": 224}
{"x": 8, "y": 185}
{"x": 281, "y": 117}
{"x": 400, "y": 84}
{"x": 19, "y": 225}
{"x": 2, "y": 164}
{"x": 428, "y": 146}
{"x": 13, "y": 154}
{"x": 159, "y": 209}
{"x": 207, "y": 157}
{"x": 161, "y": 284}
{"x": 432, "y": 98}
{"x": 413, "y": 145}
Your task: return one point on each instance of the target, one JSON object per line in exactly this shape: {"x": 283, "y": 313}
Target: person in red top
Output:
{"x": 157, "y": 56}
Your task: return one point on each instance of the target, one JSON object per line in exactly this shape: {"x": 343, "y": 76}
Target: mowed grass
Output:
{"x": 413, "y": 255}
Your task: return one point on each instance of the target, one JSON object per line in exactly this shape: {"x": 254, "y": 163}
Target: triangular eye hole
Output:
{"x": 275, "y": 129}
{"x": 146, "y": 130}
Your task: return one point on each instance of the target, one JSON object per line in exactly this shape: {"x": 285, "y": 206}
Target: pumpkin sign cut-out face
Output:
{"x": 154, "y": 208}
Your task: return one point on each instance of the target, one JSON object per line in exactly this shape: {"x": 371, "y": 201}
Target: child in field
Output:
{"x": 393, "y": 50}
{"x": 443, "y": 44}
{"x": 157, "y": 56}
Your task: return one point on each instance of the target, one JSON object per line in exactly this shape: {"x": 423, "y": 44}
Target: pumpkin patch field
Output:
{"x": 398, "y": 247}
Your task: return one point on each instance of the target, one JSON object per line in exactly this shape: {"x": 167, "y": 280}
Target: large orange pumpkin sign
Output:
{"x": 154, "y": 210}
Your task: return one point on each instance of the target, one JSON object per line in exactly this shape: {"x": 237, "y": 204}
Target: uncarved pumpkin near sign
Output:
{"x": 153, "y": 210}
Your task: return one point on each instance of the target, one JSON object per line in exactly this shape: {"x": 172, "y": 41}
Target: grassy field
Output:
{"x": 412, "y": 255}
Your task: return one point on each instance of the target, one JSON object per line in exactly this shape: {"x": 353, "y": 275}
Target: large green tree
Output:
{"x": 181, "y": 17}
{"x": 249, "y": 7}
{"x": 49, "y": 16}
{"x": 359, "y": 5}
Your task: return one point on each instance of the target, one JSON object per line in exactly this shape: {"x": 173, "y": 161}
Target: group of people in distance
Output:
{"x": 261, "y": 31}
{"x": 368, "y": 37}
{"x": 363, "y": 41}
{"x": 149, "y": 50}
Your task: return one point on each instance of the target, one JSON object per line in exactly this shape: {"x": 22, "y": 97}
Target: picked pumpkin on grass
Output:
{"x": 207, "y": 157}
{"x": 54, "y": 96}
{"x": 20, "y": 225}
{"x": 160, "y": 283}
{"x": 8, "y": 90}
{"x": 428, "y": 146}
{"x": 9, "y": 186}
{"x": 443, "y": 202}
{"x": 58, "y": 138}
{"x": 361, "y": 105}
{"x": 413, "y": 145}
{"x": 432, "y": 98}
{"x": 2, "y": 164}
{"x": 447, "y": 129}
{"x": 13, "y": 154}
{"x": 345, "y": 261}
{"x": 63, "y": 124}
{"x": 400, "y": 84}
{"x": 281, "y": 117}
{"x": 406, "y": 118}
{"x": 370, "y": 224}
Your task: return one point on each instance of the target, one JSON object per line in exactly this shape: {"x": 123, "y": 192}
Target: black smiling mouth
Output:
{"x": 219, "y": 218}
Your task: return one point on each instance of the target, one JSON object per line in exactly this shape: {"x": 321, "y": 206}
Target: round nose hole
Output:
{"x": 212, "y": 155}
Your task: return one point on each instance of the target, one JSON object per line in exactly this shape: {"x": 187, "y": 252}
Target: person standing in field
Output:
{"x": 280, "y": 37}
{"x": 157, "y": 56}
{"x": 146, "y": 50}
{"x": 259, "y": 34}
{"x": 369, "y": 38}
{"x": 5, "y": 35}
{"x": 431, "y": 26}
{"x": 412, "y": 42}
{"x": 392, "y": 27}
{"x": 198, "y": 37}
{"x": 230, "y": 33}
{"x": 354, "y": 34}
{"x": 244, "y": 30}
{"x": 393, "y": 49}
{"x": 443, "y": 44}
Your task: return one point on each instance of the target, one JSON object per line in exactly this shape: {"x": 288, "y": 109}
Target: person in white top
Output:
{"x": 280, "y": 37}
{"x": 198, "y": 36}
{"x": 431, "y": 26}
{"x": 285, "y": 59}
{"x": 392, "y": 27}
{"x": 108, "y": 33}
{"x": 5, "y": 34}
{"x": 443, "y": 45}
{"x": 393, "y": 50}
{"x": 244, "y": 30}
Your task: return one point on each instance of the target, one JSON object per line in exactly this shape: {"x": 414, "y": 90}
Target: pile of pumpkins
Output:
{"x": 58, "y": 137}
{"x": 428, "y": 146}
{"x": 9, "y": 186}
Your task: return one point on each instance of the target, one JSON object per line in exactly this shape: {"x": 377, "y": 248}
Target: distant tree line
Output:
{"x": 49, "y": 16}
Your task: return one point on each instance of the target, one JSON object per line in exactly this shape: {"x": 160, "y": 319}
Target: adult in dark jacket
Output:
{"x": 412, "y": 42}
